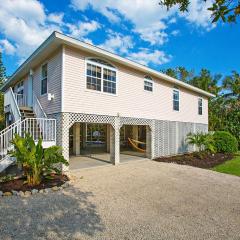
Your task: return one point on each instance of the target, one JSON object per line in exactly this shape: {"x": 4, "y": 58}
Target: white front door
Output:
{"x": 30, "y": 91}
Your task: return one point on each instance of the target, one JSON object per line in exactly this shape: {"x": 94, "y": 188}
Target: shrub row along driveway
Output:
{"x": 142, "y": 200}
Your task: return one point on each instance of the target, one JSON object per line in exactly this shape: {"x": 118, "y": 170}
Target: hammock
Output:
{"x": 133, "y": 143}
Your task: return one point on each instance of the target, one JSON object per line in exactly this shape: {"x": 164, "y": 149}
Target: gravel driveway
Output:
{"x": 141, "y": 200}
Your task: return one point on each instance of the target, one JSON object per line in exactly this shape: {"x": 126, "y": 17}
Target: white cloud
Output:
{"x": 7, "y": 47}
{"x": 56, "y": 18}
{"x": 25, "y": 24}
{"x": 199, "y": 14}
{"x": 82, "y": 29}
{"x": 117, "y": 43}
{"x": 175, "y": 32}
{"x": 146, "y": 57}
{"x": 148, "y": 17}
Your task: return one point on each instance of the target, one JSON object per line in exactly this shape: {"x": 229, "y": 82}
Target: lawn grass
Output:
{"x": 230, "y": 167}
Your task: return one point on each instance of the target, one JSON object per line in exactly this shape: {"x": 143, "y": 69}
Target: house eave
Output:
{"x": 57, "y": 39}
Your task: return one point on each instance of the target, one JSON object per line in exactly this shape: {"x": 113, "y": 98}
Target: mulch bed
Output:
{"x": 19, "y": 185}
{"x": 193, "y": 159}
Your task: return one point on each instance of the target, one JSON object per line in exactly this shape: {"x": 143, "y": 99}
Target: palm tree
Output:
{"x": 231, "y": 85}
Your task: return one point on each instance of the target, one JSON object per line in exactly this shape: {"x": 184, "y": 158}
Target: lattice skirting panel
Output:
{"x": 167, "y": 137}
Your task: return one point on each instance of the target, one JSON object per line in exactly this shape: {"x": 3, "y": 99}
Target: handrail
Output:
{"x": 36, "y": 127}
{"x": 9, "y": 99}
{"x": 37, "y": 108}
{"x": 10, "y": 126}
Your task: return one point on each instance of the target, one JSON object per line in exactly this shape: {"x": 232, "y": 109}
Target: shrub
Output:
{"x": 36, "y": 161}
{"x": 225, "y": 142}
{"x": 203, "y": 141}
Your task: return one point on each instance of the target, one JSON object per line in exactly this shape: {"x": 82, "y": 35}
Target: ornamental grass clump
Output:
{"x": 37, "y": 163}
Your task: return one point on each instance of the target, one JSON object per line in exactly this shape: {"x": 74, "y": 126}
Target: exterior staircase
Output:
{"x": 32, "y": 120}
{"x": 27, "y": 112}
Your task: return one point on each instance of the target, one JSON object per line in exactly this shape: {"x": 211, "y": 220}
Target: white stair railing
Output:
{"x": 36, "y": 127}
{"x": 37, "y": 108}
{"x": 10, "y": 100}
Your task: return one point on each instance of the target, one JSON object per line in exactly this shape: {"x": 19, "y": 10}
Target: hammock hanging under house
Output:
{"x": 133, "y": 143}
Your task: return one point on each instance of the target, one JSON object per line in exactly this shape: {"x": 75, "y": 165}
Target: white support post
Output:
{"x": 148, "y": 142}
{"x": 76, "y": 139}
{"x": 115, "y": 142}
{"x": 108, "y": 137}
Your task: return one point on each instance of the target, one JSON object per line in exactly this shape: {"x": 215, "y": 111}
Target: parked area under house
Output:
{"x": 92, "y": 144}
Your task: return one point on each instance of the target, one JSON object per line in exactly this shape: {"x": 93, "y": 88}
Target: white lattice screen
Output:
{"x": 168, "y": 137}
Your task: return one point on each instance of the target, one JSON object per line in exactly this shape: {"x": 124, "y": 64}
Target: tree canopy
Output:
{"x": 225, "y": 10}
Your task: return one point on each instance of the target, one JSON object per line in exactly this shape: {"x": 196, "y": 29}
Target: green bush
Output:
{"x": 225, "y": 142}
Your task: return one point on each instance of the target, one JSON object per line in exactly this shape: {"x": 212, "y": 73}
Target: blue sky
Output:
{"x": 137, "y": 29}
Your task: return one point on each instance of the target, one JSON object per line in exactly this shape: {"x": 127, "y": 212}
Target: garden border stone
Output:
{"x": 35, "y": 191}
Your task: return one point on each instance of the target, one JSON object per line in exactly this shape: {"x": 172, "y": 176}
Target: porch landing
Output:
{"x": 98, "y": 160}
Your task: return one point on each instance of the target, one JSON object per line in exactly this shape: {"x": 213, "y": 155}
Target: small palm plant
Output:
{"x": 203, "y": 141}
{"x": 35, "y": 160}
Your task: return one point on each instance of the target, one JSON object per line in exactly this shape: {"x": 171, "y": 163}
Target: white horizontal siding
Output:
{"x": 132, "y": 100}
{"x": 54, "y": 83}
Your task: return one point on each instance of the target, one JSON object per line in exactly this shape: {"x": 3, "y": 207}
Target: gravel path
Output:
{"x": 141, "y": 200}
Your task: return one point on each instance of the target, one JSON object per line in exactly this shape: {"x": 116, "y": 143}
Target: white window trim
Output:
{"x": 102, "y": 66}
{"x": 43, "y": 79}
{"x": 200, "y": 98}
{"x": 177, "y": 90}
{"x": 147, "y": 80}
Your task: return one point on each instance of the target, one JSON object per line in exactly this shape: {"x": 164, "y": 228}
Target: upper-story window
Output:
{"x": 44, "y": 79}
{"x": 175, "y": 99}
{"x": 200, "y": 106}
{"x": 148, "y": 84}
{"x": 101, "y": 76}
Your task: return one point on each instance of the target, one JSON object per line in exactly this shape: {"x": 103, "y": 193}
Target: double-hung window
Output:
{"x": 101, "y": 76}
{"x": 175, "y": 99}
{"x": 44, "y": 79}
{"x": 109, "y": 81}
{"x": 148, "y": 84}
{"x": 94, "y": 74}
{"x": 200, "y": 106}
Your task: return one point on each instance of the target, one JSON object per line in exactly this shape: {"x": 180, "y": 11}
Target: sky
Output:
{"x": 140, "y": 30}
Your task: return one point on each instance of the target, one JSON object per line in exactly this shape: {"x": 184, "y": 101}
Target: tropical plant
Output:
{"x": 225, "y": 142}
{"x": 36, "y": 161}
{"x": 203, "y": 141}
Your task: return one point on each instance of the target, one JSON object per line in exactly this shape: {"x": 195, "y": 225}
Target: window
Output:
{"x": 44, "y": 79}
{"x": 175, "y": 99}
{"x": 148, "y": 84}
{"x": 109, "y": 81}
{"x": 94, "y": 74}
{"x": 101, "y": 76}
{"x": 200, "y": 106}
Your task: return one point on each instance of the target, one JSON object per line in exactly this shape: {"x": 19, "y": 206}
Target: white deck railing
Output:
{"x": 36, "y": 127}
